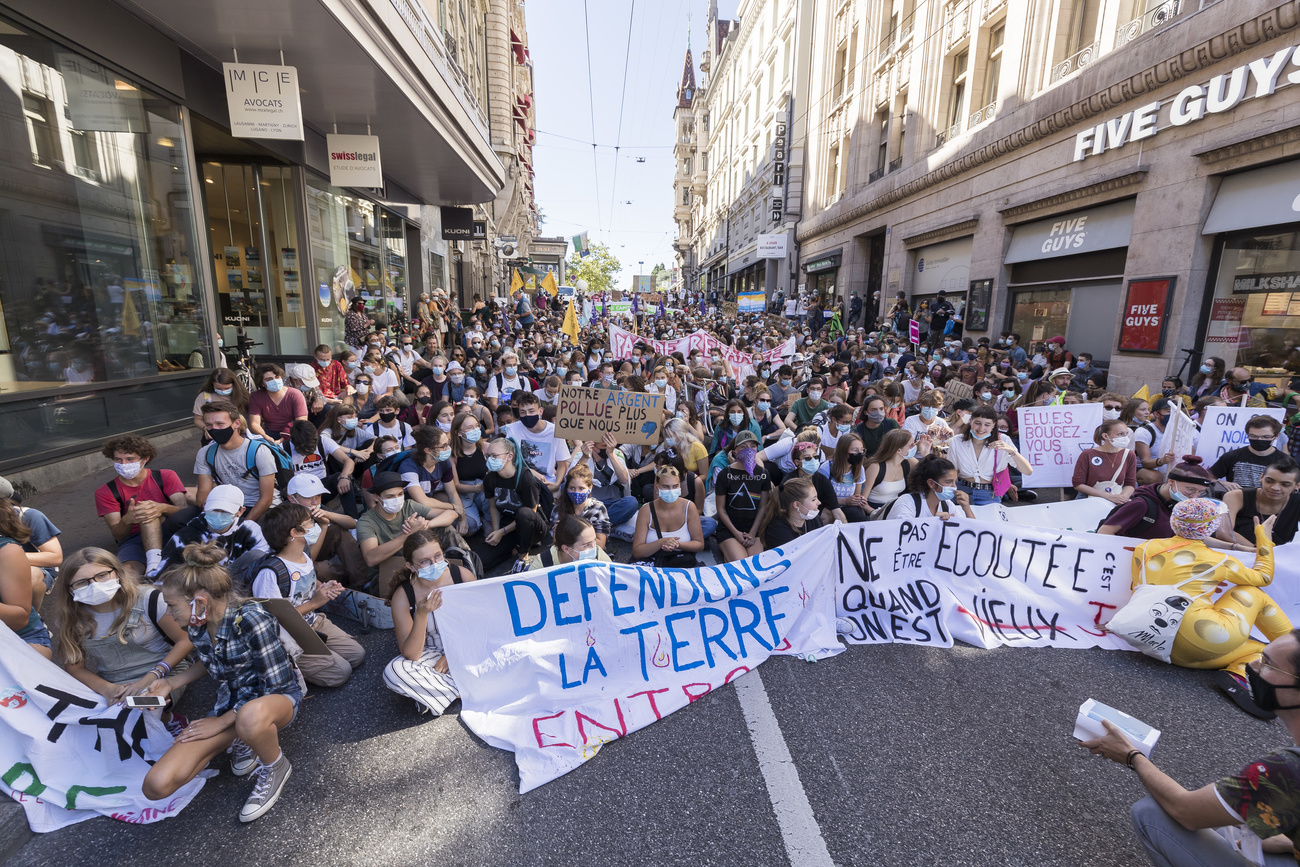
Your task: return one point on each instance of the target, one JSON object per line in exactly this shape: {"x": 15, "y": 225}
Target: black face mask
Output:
{"x": 529, "y": 420}
{"x": 1260, "y": 445}
{"x": 221, "y": 436}
{"x": 424, "y": 398}
{"x": 855, "y": 460}
{"x": 1264, "y": 693}
{"x": 387, "y": 416}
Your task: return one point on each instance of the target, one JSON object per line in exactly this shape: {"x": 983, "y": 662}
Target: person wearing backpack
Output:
{"x": 575, "y": 540}
{"x": 290, "y": 573}
{"x": 113, "y": 634}
{"x": 387, "y": 424}
{"x": 932, "y": 492}
{"x": 233, "y": 458}
{"x": 1146, "y": 514}
{"x": 224, "y": 522}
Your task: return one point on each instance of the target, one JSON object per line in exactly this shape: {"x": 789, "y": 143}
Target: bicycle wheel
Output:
{"x": 245, "y": 379}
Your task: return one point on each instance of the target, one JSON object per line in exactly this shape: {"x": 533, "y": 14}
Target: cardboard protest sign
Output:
{"x": 1224, "y": 429}
{"x": 1179, "y": 439}
{"x": 553, "y": 664}
{"x": 1053, "y": 437}
{"x": 954, "y": 391}
{"x": 589, "y": 413}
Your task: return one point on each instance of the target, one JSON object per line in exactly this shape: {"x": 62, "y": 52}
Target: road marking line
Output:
{"x": 799, "y": 830}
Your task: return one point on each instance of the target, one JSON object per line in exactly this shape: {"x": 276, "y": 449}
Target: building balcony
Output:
{"x": 1076, "y": 61}
{"x": 947, "y": 135}
{"x": 895, "y": 164}
{"x": 982, "y": 115}
{"x": 1153, "y": 19}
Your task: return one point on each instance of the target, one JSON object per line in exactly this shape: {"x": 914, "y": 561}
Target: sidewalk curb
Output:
{"x": 59, "y": 473}
{"x": 14, "y": 830}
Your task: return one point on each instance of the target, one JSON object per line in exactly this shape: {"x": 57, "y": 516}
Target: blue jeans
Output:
{"x": 476, "y": 511}
{"x": 978, "y": 497}
{"x": 708, "y": 526}
{"x": 622, "y": 509}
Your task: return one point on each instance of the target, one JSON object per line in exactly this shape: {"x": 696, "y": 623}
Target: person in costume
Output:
{"x": 1215, "y": 634}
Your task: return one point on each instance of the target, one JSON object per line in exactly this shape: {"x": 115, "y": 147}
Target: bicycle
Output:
{"x": 245, "y": 362}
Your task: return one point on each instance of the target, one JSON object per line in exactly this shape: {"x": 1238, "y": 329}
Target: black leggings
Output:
{"x": 530, "y": 532}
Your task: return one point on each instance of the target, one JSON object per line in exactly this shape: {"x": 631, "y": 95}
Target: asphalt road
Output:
{"x": 905, "y": 756}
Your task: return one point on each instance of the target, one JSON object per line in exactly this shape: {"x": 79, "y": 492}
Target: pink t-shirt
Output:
{"x": 278, "y": 418}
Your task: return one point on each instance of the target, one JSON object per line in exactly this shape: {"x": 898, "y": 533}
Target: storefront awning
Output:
{"x": 1264, "y": 197}
{"x": 1102, "y": 228}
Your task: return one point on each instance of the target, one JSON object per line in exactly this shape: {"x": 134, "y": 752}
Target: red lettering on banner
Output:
{"x": 650, "y": 696}
{"x": 621, "y": 731}
{"x": 539, "y": 734}
{"x": 735, "y": 672}
{"x": 686, "y": 688}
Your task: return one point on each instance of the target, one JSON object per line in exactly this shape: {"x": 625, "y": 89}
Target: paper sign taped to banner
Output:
{"x": 1053, "y": 437}
{"x": 555, "y": 664}
{"x": 1224, "y": 429}
{"x": 589, "y": 414}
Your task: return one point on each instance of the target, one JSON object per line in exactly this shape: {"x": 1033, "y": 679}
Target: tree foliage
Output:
{"x": 599, "y": 268}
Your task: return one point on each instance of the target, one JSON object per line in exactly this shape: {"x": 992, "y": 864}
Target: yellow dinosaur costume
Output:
{"x": 1213, "y": 635}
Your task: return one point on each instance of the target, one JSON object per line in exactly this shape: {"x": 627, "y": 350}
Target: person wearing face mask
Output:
{"x": 388, "y": 424}
{"x": 1239, "y": 386}
{"x": 1276, "y": 496}
{"x": 874, "y": 423}
{"x": 806, "y": 409}
{"x": 223, "y": 522}
{"x": 382, "y": 531}
{"x": 436, "y": 377}
{"x": 1146, "y": 514}
{"x": 545, "y": 454}
{"x": 457, "y": 383}
{"x": 113, "y": 634}
{"x": 932, "y": 492}
{"x": 331, "y": 540}
{"x": 928, "y": 419}
{"x": 668, "y": 531}
{"x": 140, "y": 506}
{"x": 839, "y": 422}
{"x": 744, "y": 493}
{"x": 1148, "y": 427}
{"x": 659, "y": 384}
{"x": 1243, "y": 467}
{"x": 799, "y": 513}
{"x": 235, "y": 458}
{"x": 1108, "y": 471}
{"x": 979, "y": 453}
{"x": 273, "y": 408}
{"x": 782, "y": 389}
{"x": 383, "y": 378}
{"x": 290, "y": 573}
{"x": 770, "y": 425}
{"x": 500, "y": 386}
{"x": 1176, "y": 826}
{"x": 514, "y": 496}
{"x": 576, "y": 498}
{"x": 735, "y": 420}
{"x": 844, "y": 469}
{"x": 221, "y": 385}
{"x": 405, "y": 356}
{"x": 430, "y": 476}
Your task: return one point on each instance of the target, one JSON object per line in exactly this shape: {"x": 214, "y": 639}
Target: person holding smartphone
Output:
{"x": 113, "y": 634}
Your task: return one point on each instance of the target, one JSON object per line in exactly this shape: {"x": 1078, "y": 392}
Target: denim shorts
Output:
{"x": 35, "y": 632}
{"x": 131, "y": 548}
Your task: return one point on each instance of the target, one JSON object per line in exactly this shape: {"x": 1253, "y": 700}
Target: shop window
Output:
{"x": 1254, "y": 318}
{"x": 1040, "y": 314}
{"x": 41, "y": 134}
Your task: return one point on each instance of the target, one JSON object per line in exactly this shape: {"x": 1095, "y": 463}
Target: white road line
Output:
{"x": 799, "y": 830}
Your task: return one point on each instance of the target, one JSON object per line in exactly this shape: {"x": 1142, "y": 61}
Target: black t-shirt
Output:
{"x": 1287, "y": 519}
{"x": 825, "y": 492}
{"x": 779, "y": 532}
{"x": 471, "y": 468}
{"x": 508, "y": 497}
{"x": 1243, "y": 466}
{"x": 742, "y": 493}
{"x": 871, "y": 439}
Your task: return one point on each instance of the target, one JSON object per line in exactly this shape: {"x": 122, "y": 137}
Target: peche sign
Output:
{"x": 1223, "y": 93}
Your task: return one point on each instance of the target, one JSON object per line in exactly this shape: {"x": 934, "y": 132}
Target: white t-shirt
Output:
{"x": 1148, "y": 434}
{"x": 981, "y": 469}
{"x": 400, "y": 431}
{"x": 542, "y": 449}
{"x": 302, "y": 584}
{"x": 790, "y": 306}
{"x": 313, "y": 464}
{"x": 406, "y": 360}
{"x": 830, "y": 439}
{"x": 382, "y": 381}
{"x": 905, "y": 507}
{"x": 509, "y": 385}
{"x": 669, "y": 391}
{"x": 915, "y": 425}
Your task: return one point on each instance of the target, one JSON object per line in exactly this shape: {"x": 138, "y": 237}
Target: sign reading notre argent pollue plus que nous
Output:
{"x": 263, "y": 101}
{"x": 354, "y": 161}
{"x": 589, "y": 413}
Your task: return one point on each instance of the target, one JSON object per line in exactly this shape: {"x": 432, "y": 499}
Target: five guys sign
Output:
{"x": 1146, "y": 310}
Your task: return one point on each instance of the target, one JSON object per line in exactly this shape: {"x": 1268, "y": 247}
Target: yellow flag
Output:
{"x": 548, "y": 283}
{"x": 570, "y": 326}
{"x": 1143, "y": 393}
{"x": 130, "y": 318}
{"x": 515, "y": 282}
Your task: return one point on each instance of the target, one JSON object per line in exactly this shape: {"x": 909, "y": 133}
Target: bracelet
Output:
{"x": 1128, "y": 760}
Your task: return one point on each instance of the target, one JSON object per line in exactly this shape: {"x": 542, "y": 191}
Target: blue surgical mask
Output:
{"x": 511, "y": 370}
{"x": 1176, "y": 495}
{"x": 669, "y": 495}
{"x": 929, "y": 412}
{"x": 219, "y": 521}
{"x": 274, "y": 385}
{"x": 350, "y": 423}
{"x": 764, "y": 405}
{"x": 736, "y": 417}
{"x": 845, "y": 428}
{"x": 561, "y": 371}
{"x": 978, "y": 437}
{"x": 911, "y": 453}
{"x": 495, "y": 463}
{"x": 1205, "y": 368}
{"x": 810, "y": 465}
{"x": 1022, "y": 376}
{"x": 444, "y": 455}
{"x": 433, "y": 571}
{"x": 436, "y": 371}
{"x": 588, "y": 554}
{"x": 325, "y": 363}
{"x": 473, "y": 436}
{"x": 947, "y": 494}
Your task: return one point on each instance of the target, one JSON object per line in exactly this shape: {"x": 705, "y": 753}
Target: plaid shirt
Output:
{"x": 247, "y": 659}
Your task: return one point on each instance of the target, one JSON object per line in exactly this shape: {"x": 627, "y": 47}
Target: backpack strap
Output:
{"x": 283, "y": 579}
{"x": 547, "y": 560}
{"x": 410, "y": 595}
{"x": 654, "y": 519}
{"x": 149, "y": 609}
{"x": 211, "y": 459}
{"x": 117, "y": 495}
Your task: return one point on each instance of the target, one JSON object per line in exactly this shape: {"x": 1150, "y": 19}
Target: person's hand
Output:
{"x": 1002, "y": 446}
{"x": 1169, "y": 459}
{"x": 319, "y": 515}
{"x": 607, "y": 440}
{"x": 429, "y": 604}
{"x": 747, "y": 540}
{"x": 1267, "y": 526}
{"x": 1113, "y": 745}
{"x": 962, "y": 498}
{"x": 345, "y": 484}
{"x": 669, "y": 543}
{"x": 462, "y": 525}
{"x": 162, "y": 687}
{"x": 1014, "y": 493}
{"x": 495, "y": 537}
{"x": 202, "y": 729}
{"x": 114, "y": 693}
{"x": 326, "y": 592}
{"x": 1230, "y": 486}
{"x": 441, "y": 665}
{"x": 1119, "y": 499}
{"x": 924, "y": 443}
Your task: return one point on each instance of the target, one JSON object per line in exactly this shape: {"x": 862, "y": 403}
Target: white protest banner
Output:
{"x": 1179, "y": 438}
{"x": 65, "y": 756}
{"x": 1081, "y": 516}
{"x": 554, "y": 664}
{"x": 622, "y": 342}
{"x": 587, "y": 414}
{"x": 1053, "y": 437}
{"x": 981, "y": 582}
{"x": 1224, "y": 429}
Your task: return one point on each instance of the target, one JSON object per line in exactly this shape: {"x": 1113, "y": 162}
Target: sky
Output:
{"x": 568, "y": 178}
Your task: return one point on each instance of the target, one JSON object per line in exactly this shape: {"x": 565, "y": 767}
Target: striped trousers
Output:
{"x": 417, "y": 680}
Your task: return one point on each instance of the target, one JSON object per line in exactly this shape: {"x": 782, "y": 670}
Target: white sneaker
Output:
{"x": 242, "y": 759}
{"x": 845, "y": 626}
{"x": 270, "y": 782}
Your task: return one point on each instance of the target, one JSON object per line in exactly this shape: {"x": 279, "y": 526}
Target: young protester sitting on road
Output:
{"x": 1108, "y": 471}
{"x": 336, "y": 542}
{"x": 387, "y": 424}
{"x": 226, "y": 461}
{"x": 420, "y": 670}
{"x": 1243, "y": 467}
{"x": 668, "y": 529}
{"x": 1146, "y": 514}
{"x": 221, "y": 385}
{"x": 887, "y": 470}
{"x": 799, "y": 513}
{"x": 545, "y": 454}
{"x": 928, "y": 420}
{"x": 311, "y": 453}
{"x": 19, "y": 582}
{"x": 932, "y": 492}
{"x": 514, "y": 495}
{"x": 575, "y": 539}
{"x": 1276, "y": 496}
{"x": 224, "y": 522}
{"x": 979, "y": 453}
{"x": 293, "y": 534}
{"x": 874, "y": 424}
{"x": 576, "y": 499}
{"x": 333, "y": 377}
{"x": 1175, "y": 825}
{"x": 382, "y": 530}
{"x": 114, "y": 635}
{"x": 839, "y": 421}
{"x": 430, "y": 477}
{"x": 273, "y": 408}
{"x": 745, "y": 500}
{"x": 238, "y": 643}
{"x": 42, "y": 547}
{"x": 847, "y": 476}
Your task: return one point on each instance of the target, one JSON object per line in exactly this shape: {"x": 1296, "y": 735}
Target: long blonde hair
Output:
{"x": 74, "y": 622}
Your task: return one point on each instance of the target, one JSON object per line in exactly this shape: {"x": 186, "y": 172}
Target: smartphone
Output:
{"x": 146, "y": 701}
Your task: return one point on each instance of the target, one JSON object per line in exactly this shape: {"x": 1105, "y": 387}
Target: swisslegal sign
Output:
{"x": 1258, "y": 78}
{"x": 354, "y": 161}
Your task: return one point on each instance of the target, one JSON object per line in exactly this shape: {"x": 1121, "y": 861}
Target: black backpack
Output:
{"x": 1153, "y": 508}
{"x": 391, "y": 463}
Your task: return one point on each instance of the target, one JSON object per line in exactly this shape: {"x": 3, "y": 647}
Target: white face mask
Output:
{"x": 392, "y": 505}
{"x": 1121, "y": 442}
{"x": 128, "y": 470}
{"x": 313, "y": 534}
{"x": 97, "y": 592}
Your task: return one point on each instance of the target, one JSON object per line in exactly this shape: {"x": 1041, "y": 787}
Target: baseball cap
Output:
{"x": 6, "y": 489}
{"x": 304, "y": 374}
{"x": 224, "y": 498}
{"x": 745, "y": 436}
{"x": 307, "y": 485}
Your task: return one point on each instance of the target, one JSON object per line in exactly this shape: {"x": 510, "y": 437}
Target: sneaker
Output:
{"x": 520, "y": 566}
{"x": 845, "y": 626}
{"x": 1239, "y": 692}
{"x": 242, "y": 759}
{"x": 270, "y": 782}
{"x": 176, "y": 724}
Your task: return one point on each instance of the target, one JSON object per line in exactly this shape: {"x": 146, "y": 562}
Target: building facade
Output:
{"x": 1119, "y": 172}
{"x": 738, "y": 186}
{"x": 139, "y": 234}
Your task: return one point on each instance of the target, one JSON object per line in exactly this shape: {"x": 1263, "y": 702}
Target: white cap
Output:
{"x": 225, "y": 498}
{"x": 307, "y": 485}
{"x": 304, "y": 374}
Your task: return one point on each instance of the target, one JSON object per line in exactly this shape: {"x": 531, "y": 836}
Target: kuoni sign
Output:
{"x": 1146, "y": 309}
{"x": 590, "y": 413}
{"x": 354, "y": 161}
{"x": 263, "y": 101}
